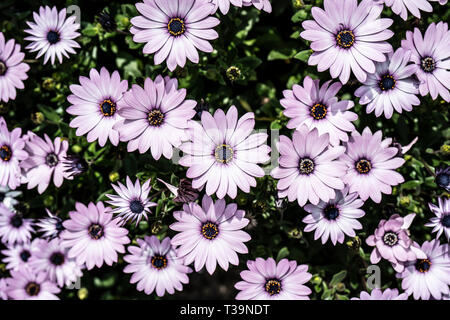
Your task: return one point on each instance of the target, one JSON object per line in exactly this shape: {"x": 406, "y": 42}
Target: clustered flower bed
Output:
{"x": 225, "y": 149}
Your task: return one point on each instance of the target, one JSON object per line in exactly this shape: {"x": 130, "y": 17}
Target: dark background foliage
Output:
{"x": 271, "y": 57}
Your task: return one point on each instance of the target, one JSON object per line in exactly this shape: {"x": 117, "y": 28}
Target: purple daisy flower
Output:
{"x": 74, "y": 165}
{"x": 268, "y": 280}
{"x": 391, "y": 86}
{"x": 92, "y": 236}
{"x": 224, "y": 5}
{"x": 53, "y": 260}
{"x": 19, "y": 255}
{"x": 51, "y": 226}
{"x": 371, "y": 164}
{"x": 431, "y": 55}
{"x": 210, "y": 234}
{"x": 258, "y": 4}
{"x": 156, "y": 267}
{"x": 308, "y": 168}
{"x": 347, "y": 36}
{"x": 52, "y": 34}
{"x": 377, "y": 294}
{"x": 184, "y": 193}
{"x": 443, "y": 178}
{"x": 392, "y": 242}
{"x": 3, "y": 289}
{"x": 8, "y": 197}
{"x": 335, "y": 218}
{"x": 175, "y": 29}
{"x": 440, "y": 223}
{"x": 156, "y": 117}
{"x": 45, "y": 159}
{"x": 95, "y": 105}
{"x": 223, "y": 154}
{"x": 318, "y": 107}
{"x": 401, "y": 7}
{"x": 25, "y": 284}
{"x": 428, "y": 277}
{"x": 13, "y": 227}
{"x": 11, "y": 153}
{"x": 132, "y": 202}
{"x": 12, "y": 70}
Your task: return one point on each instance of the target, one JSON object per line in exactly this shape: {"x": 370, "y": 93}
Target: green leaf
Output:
{"x": 303, "y": 55}
{"x": 338, "y": 277}
{"x": 411, "y": 184}
{"x": 283, "y": 253}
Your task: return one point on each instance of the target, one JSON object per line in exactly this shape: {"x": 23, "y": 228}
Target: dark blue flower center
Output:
{"x": 95, "y": 231}
{"x": 331, "y": 212}
{"x": 59, "y": 225}
{"x": 345, "y": 39}
{"x": 5, "y": 153}
{"x": 32, "y": 289}
{"x": 210, "y": 230}
{"x": 387, "y": 82}
{"x": 428, "y": 64}
{"x": 108, "y": 108}
{"x": 446, "y": 220}
{"x": 3, "y": 68}
{"x": 155, "y": 118}
{"x": 306, "y": 166}
{"x": 442, "y": 180}
{"x": 2, "y": 196}
{"x": 423, "y": 265}
{"x": 318, "y": 111}
{"x": 363, "y": 166}
{"x": 224, "y": 153}
{"x": 16, "y": 221}
{"x": 136, "y": 206}
{"x": 390, "y": 238}
{"x": 51, "y": 159}
{"x": 57, "y": 258}
{"x": 159, "y": 262}
{"x": 273, "y": 286}
{"x": 53, "y": 37}
{"x": 24, "y": 255}
{"x": 176, "y": 27}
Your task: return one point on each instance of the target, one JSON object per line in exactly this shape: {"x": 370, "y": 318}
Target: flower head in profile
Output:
{"x": 224, "y": 154}
{"x": 11, "y": 154}
{"x": 371, "y": 164}
{"x": 391, "y": 87}
{"x": 441, "y": 222}
{"x": 155, "y": 117}
{"x": 95, "y": 105}
{"x": 93, "y": 236}
{"x": 258, "y": 4}
{"x": 44, "y": 162}
{"x": 391, "y": 241}
{"x": 155, "y": 266}
{"x": 347, "y": 36}
{"x": 50, "y": 226}
{"x": 318, "y": 107}
{"x": 74, "y": 165}
{"x": 430, "y": 53}
{"x": 443, "y": 178}
{"x": 131, "y": 202}
{"x": 184, "y": 193}
{"x": 268, "y": 280}
{"x": 25, "y": 284}
{"x": 175, "y": 29}
{"x": 335, "y": 218}
{"x": 8, "y": 196}
{"x": 52, "y": 34}
{"x": 428, "y": 277}
{"x": 12, "y": 69}
{"x": 377, "y": 294}
{"x": 14, "y": 228}
{"x": 308, "y": 168}
{"x": 210, "y": 234}
{"x": 19, "y": 255}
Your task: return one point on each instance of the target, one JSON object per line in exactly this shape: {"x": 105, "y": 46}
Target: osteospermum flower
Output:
{"x": 50, "y": 226}
{"x": 19, "y": 255}
{"x": 268, "y": 280}
{"x": 184, "y": 192}
{"x": 13, "y": 227}
{"x": 428, "y": 277}
{"x": 175, "y": 29}
{"x": 401, "y": 7}
{"x": 347, "y": 36}
{"x": 224, "y": 5}
{"x": 74, "y": 165}
{"x": 12, "y": 69}
{"x": 45, "y": 160}
{"x": 25, "y": 284}
{"x": 52, "y": 259}
{"x": 392, "y": 242}
{"x": 92, "y": 236}
{"x": 95, "y": 105}
{"x": 440, "y": 223}
{"x": 391, "y": 86}
{"x": 3, "y": 289}
{"x": 156, "y": 267}
{"x": 308, "y": 168}
{"x": 210, "y": 234}
{"x": 223, "y": 154}
{"x": 443, "y": 178}
{"x": 335, "y": 218}
{"x": 370, "y": 165}
{"x": 52, "y": 34}
{"x": 377, "y": 294}
{"x": 132, "y": 202}
{"x": 430, "y": 53}
{"x": 258, "y": 4}
{"x": 7, "y": 196}
{"x": 318, "y": 107}
{"x": 155, "y": 117}
{"x": 11, "y": 154}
